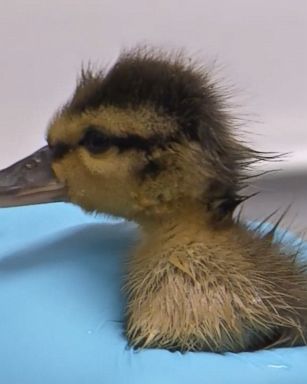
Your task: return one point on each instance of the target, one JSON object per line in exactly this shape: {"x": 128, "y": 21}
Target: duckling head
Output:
{"x": 149, "y": 135}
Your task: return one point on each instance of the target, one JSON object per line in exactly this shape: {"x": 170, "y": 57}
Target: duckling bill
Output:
{"x": 152, "y": 140}
{"x": 30, "y": 181}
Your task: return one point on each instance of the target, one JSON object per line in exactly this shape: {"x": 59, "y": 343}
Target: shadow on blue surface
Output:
{"x": 83, "y": 240}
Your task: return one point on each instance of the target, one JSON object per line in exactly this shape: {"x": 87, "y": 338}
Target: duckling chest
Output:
{"x": 193, "y": 269}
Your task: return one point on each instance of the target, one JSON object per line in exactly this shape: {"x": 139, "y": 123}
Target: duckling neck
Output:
{"x": 182, "y": 223}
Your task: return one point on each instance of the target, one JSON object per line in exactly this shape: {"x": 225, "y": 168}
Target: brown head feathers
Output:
{"x": 176, "y": 87}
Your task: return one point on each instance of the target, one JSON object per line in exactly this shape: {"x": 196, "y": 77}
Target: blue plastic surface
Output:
{"x": 61, "y": 311}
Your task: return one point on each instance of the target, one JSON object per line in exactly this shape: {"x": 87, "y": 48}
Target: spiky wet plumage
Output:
{"x": 151, "y": 140}
{"x": 225, "y": 290}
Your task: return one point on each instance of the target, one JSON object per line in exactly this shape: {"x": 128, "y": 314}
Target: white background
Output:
{"x": 260, "y": 46}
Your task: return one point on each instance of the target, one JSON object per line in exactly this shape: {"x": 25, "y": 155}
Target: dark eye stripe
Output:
{"x": 96, "y": 141}
{"x": 59, "y": 150}
{"x": 134, "y": 142}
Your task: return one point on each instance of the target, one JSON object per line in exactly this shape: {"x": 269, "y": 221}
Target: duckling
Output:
{"x": 151, "y": 140}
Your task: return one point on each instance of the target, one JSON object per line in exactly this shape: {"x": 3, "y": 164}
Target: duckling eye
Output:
{"x": 95, "y": 141}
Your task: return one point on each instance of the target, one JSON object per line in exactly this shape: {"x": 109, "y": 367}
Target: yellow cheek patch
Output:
{"x": 111, "y": 164}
